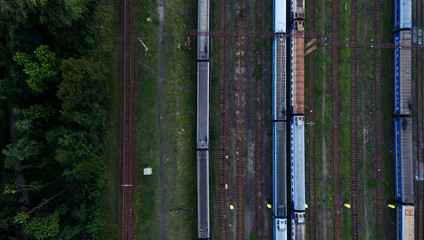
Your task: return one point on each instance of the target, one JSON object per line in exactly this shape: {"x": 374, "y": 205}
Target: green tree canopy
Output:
{"x": 23, "y": 150}
{"x": 40, "y": 67}
{"x": 53, "y": 14}
{"x": 83, "y": 84}
{"x": 44, "y": 227}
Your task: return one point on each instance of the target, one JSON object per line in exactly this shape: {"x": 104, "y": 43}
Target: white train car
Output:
{"x": 279, "y": 17}
{"x": 297, "y": 162}
{"x": 280, "y": 228}
{"x": 403, "y": 14}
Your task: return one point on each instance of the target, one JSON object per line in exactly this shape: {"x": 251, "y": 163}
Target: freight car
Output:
{"x": 202, "y": 137}
{"x": 297, "y": 159}
{"x": 297, "y": 68}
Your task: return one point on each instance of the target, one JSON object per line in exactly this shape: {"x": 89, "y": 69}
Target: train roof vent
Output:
{"x": 301, "y": 218}
{"x": 300, "y": 121}
{"x": 282, "y": 225}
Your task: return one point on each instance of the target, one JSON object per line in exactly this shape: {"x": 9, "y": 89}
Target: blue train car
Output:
{"x": 403, "y": 73}
{"x": 280, "y": 228}
{"x": 203, "y": 224}
{"x": 279, "y": 169}
{"x": 297, "y": 162}
{"x": 404, "y": 222}
{"x": 403, "y": 160}
{"x": 298, "y": 226}
{"x": 279, "y": 16}
{"x": 279, "y": 79}
{"x": 403, "y": 14}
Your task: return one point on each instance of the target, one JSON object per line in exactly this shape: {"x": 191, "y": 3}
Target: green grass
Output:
{"x": 108, "y": 53}
{"x": 178, "y": 119}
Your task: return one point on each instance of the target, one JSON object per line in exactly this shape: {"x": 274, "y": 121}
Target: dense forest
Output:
{"x": 54, "y": 68}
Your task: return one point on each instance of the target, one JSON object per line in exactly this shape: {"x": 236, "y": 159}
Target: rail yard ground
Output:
{"x": 177, "y": 121}
{"x": 366, "y": 126}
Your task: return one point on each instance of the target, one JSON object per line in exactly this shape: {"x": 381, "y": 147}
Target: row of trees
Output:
{"x": 53, "y": 99}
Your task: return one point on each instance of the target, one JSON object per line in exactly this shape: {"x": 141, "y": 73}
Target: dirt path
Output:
{"x": 324, "y": 147}
{"x": 160, "y": 80}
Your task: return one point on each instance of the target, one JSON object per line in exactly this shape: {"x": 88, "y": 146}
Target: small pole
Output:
{"x": 146, "y": 49}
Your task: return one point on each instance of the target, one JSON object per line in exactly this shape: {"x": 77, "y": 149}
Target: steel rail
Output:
{"x": 377, "y": 119}
{"x": 311, "y": 213}
{"x": 240, "y": 128}
{"x": 354, "y": 124}
{"x": 222, "y": 133}
{"x": 259, "y": 213}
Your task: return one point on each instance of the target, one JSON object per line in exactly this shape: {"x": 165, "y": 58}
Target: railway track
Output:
{"x": 419, "y": 227}
{"x": 378, "y": 121}
{"x": 259, "y": 208}
{"x": 336, "y": 121}
{"x": 240, "y": 125}
{"x": 420, "y": 131}
{"x": 353, "y": 123}
{"x": 127, "y": 121}
{"x": 222, "y": 133}
{"x": 311, "y": 213}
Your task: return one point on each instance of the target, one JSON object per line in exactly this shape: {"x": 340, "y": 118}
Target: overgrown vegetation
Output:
{"x": 53, "y": 98}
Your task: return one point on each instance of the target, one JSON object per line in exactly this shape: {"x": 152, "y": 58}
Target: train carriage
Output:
{"x": 403, "y": 73}
{"x": 203, "y": 29}
{"x": 279, "y": 171}
{"x": 297, "y": 68}
{"x": 203, "y": 194}
{"x": 404, "y": 222}
{"x": 280, "y": 228}
{"x": 279, "y": 97}
{"x": 202, "y": 138}
{"x": 297, "y": 10}
{"x": 202, "y": 105}
{"x": 279, "y": 17}
{"x": 297, "y": 161}
{"x": 403, "y": 14}
{"x": 298, "y": 226}
{"x": 403, "y": 160}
